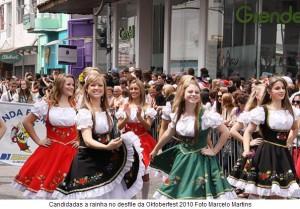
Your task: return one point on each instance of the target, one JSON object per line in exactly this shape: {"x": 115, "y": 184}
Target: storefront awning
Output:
{"x": 15, "y": 55}
{"x": 71, "y": 6}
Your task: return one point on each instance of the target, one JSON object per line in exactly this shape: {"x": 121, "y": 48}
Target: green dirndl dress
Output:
{"x": 191, "y": 175}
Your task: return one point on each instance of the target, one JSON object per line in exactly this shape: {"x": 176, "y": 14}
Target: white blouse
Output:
{"x": 58, "y": 116}
{"x": 84, "y": 120}
{"x": 277, "y": 119}
{"x": 166, "y": 111}
{"x": 185, "y": 124}
{"x": 150, "y": 112}
{"x": 244, "y": 118}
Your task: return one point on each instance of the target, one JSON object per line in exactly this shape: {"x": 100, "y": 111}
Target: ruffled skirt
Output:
{"x": 269, "y": 173}
{"x": 191, "y": 176}
{"x": 105, "y": 174}
{"x": 44, "y": 170}
{"x": 296, "y": 159}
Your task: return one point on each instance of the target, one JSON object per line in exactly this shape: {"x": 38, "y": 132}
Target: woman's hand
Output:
{"x": 255, "y": 142}
{"x": 75, "y": 144}
{"x": 114, "y": 144}
{"x": 44, "y": 142}
{"x": 248, "y": 154}
{"x": 208, "y": 151}
{"x": 153, "y": 154}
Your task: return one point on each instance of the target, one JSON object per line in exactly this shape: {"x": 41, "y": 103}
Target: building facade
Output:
{"x": 17, "y": 47}
{"x": 251, "y": 37}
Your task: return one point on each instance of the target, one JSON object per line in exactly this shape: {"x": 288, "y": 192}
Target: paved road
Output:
{"x": 7, "y": 173}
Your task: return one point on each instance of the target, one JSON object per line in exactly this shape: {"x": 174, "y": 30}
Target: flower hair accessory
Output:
{"x": 81, "y": 77}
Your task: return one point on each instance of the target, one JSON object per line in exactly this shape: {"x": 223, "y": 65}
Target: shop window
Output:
{"x": 127, "y": 36}
{"x": 184, "y": 35}
{"x": 20, "y": 11}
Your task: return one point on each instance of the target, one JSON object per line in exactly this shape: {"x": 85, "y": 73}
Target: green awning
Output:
{"x": 16, "y": 55}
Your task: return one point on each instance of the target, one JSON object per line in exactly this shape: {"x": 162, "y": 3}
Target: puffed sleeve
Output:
{"x": 244, "y": 118}
{"x": 40, "y": 109}
{"x": 150, "y": 112}
{"x": 173, "y": 120}
{"x": 84, "y": 119}
{"x": 257, "y": 115}
{"x": 211, "y": 119}
{"x": 120, "y": 114}
{"x": 166, "y": 111}
{"x": 296, "y": 113}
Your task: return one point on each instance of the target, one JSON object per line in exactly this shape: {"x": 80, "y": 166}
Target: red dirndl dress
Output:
{"x": 296, "y": 159}
{"x": 48, "y": 166}
{"x": 147, "y": 141}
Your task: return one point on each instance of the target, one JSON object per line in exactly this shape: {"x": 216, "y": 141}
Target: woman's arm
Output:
{"x": 163, "y": 140}
{"x": 2, "y": 128}
{"x": 293, "y": 133}
{"x": 28, "y": 124}
{"x": 90, "y": 142}
{"x": 163, "y": 127}
{"x": 247, "y": 137}
{"x": 123, "y": 120}
{"x": 234, "y": 131}
{"x": 224, "y": 135}
{"x": 146, "y": 122}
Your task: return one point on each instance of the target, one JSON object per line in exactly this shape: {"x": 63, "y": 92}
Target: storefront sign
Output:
{"x": 244, "y": 14}
{"x": 67, "y": 54}
{"x": 127, "y": 33}
{"x": 10, "y": 57}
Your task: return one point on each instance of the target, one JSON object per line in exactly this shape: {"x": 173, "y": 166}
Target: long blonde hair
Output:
{"x": 252, "y": 101}
{"x": 179, "y": 101}
{"x": 86, "y": 102}
{"x": 142, "y": 91}
{"x": 57, "y": 90}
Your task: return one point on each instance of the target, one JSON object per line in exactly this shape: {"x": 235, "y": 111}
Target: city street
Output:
{"x": 7, "y": 173}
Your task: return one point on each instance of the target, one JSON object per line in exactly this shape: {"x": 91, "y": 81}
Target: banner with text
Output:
{"x": 16, "y": 145}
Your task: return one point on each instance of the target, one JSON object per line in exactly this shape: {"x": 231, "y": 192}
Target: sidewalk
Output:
{"x": 7, "y": 173}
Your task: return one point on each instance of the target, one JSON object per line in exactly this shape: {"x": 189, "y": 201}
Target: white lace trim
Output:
{"x": 138, "y": 184}
{"x": 129, "y": 142}
{"x": 226, "y": 196}
{"x": 41, "y": 194}
{"x": 292, "y": 191}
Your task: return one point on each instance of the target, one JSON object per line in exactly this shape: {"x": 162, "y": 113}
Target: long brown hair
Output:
{"x": 285, "y": 103}
{"x": 179, "y": 102}
{"x": 57, "y": 90}
{"x": 26, "y": 92}
{"x": 86, "y": 102}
